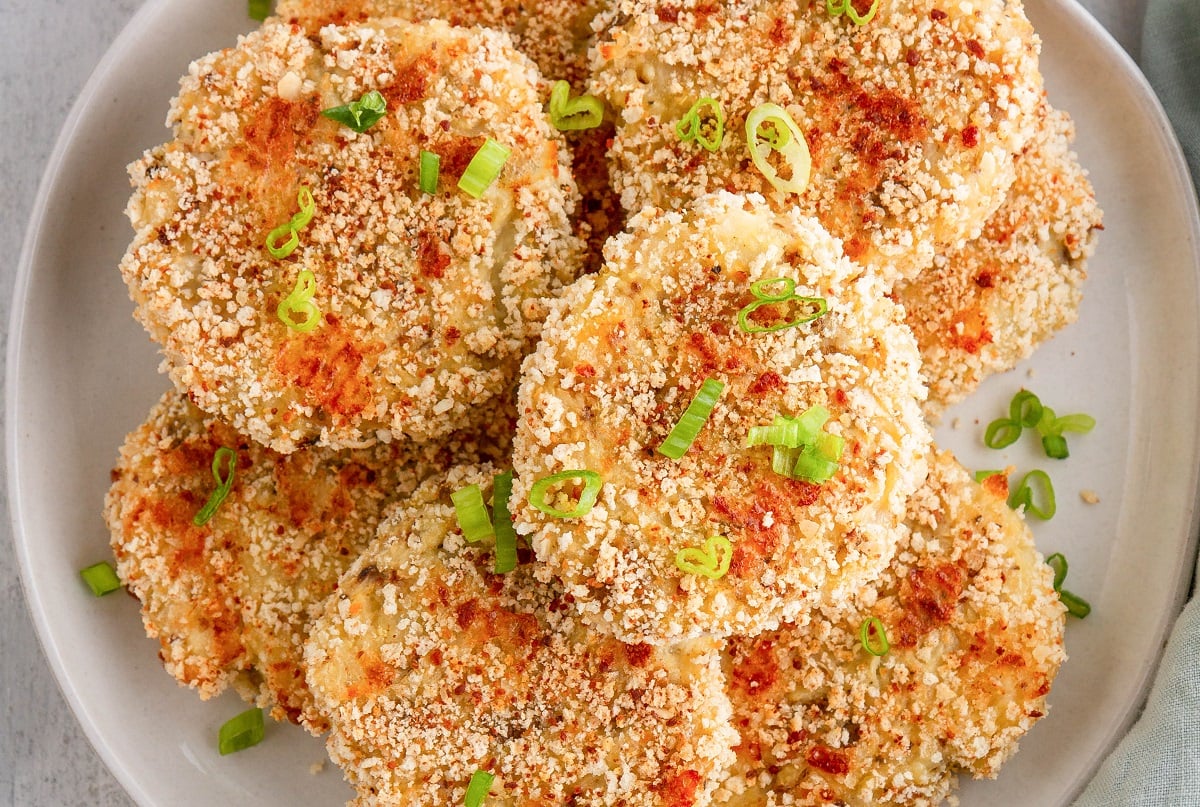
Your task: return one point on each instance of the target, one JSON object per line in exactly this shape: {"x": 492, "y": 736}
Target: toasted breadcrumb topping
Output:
{"x": 230, "y": 602}
{"x": 911, "y": 120}
{"x": 431, "y": 667}
{"x": 976, "y": 634}
{"x": 624, "y": 353}
{"x": 984, "y": 308}
{"x": 427, "y": 302}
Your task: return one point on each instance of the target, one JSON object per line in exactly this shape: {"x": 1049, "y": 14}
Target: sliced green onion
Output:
{"x": 1055, "y": 446}
{"x": 430, "y": 168}
{"x": 359, "y": 115}
{"x": 298, "y": 221}
{"x": 1001, "y": 433}
{"x": 100, "y": 578}
{"x": 693, "y": 127}
{"x": 1023, "y": 495}
{"x": 783, "y": 460}
{"x": 472, "y": 514}
{"x": 802, "y": 449}
{"x": 226, "y": 457}
{"x": 1058, "y": 562}
{"x": 240, "y": 732}
{"x": 813, "y": 468}
{"x": 1077, "y": 606}
{"x": 477, "y": 790}
{"x": 259, "y": 9}
{"x": 814, "y": 307}
{"x": 569, "y": 114}
{"x": 711, "y": 560}
{"x": 787, "y": 139}
{"x": 506, "y": 536}
{"x": 873, "y": 637}
{"x": 592, "y": 482}
{"x": 837, "y": 8}
{"x": 299, "y": 302}
{"x": 1025, "y": 409}
{"x": 484, "y": 168}
{"x": 982, "y": 475}
{"x": 1078, "y": 423}
{"x": 686, "y": 429}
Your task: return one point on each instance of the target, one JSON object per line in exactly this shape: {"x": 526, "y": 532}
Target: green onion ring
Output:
{"x": 879, "y": 646}
{"x": 864, "y": 19}
{"x": 759, "y": 289}
{"x": 287, "y": 247}
{"x": 691, "y": 127}
{"x": 1001, "y": 433}
{"x": 240, "y": 732}
{"x": 688, "y": 427}
{"x": 788, "y": 294}
{"x": 1058, "y": 562}
{"x": 506, "y": 536}
{"x": 228, "y": 458}
{"x": 712, "y": 560}
{"x": 1025, "y": 409}
{"x": 299, "y": 301}
{"x": 1023, "y": 495}
{"x": 477, "y": 790}
{"x": 569, "y": 114}
{"x": 592, "y": 482}
{"x": 100, "y": 578}
{"x": 788, "y": 141}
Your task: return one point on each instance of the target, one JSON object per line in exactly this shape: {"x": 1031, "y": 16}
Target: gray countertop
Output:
{"x": 48, "y": 49}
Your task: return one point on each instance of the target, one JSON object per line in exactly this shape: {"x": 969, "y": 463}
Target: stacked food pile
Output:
{"x": 579, "y": 456}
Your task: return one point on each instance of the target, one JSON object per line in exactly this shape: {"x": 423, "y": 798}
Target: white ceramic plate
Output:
{"x": 81, "y": 374}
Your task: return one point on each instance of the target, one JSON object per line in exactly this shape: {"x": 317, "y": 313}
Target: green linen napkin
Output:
{"x": 1158, "y": 763}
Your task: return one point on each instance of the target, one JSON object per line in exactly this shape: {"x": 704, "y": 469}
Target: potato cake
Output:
{"x": 420, "y": 305}
{"x": 982, "y": 309}
{"x": 911, "y": 119}
{"x": 625, "y": 351}
{"x": 431, "y": 667}
{"x": 230, "y": 601}
{"x": 976, "y": 638}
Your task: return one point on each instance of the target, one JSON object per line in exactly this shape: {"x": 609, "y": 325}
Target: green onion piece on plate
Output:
{"x": 873, "y": 637}
{"x": 240, "y": 732}
{"x": 569, "y": 114}
{"x": 1058, "y": 563}
{"x": 227, "y": 458}
{"x": 1055, "y": 446}
{"x": 1001, "y": 433}
{"x": 540, "y": 490}
{"x": 430, "y": 168}
{"x": 478, "y": 788}
{"x": 1025, "y": 409}
{"x": 1024, "y": 495}
{"x": 359, "y": 115}
{"x": 259, "y": 9}
{"x": 484, "y": 168}
{"x": 770, "y": 128}
{"x": 686, "y": 429}
{"x": 1076, "y": 606}
{"x": 100, "y": 578}
{"x": 711, "y": 560}
{"x": 506, "y": 536}
{"x": 706, "y": 129}
{"x": 472, "y": 514}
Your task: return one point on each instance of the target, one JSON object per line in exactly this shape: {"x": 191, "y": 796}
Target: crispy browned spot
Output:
{"x": 329, "y": 369}
{"x": 833, "y": 761}
{"x": 929, "y": 596}
{"x": 679, "y": 790}
{"x": 968, "y": 332}
{"x": 755, "y": 670}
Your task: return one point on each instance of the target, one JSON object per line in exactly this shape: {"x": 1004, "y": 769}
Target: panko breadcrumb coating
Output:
{"x": 912, "y": 119}
{"x": 426, "y": 301}
{"x": 976, "y": 634}
{"x": 431, "y": 667}
{"x": 230, "y": 601}
{"x": 982, "y": 309}
{"x": 553, "y": 33}
{"x": 622, "y": 355}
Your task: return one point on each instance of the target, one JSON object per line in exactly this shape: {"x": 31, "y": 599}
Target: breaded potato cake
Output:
{"x": 230, "y": 601}
{"x": 623, "y": 354}
{"x": 421, "y": 305}
{"x": 431, "y": 667}
{"x": 911, "y": 119}
{"x": 983, "y": 308}
{"x": 553, "y": 33}
{"x": 976, "y": 638}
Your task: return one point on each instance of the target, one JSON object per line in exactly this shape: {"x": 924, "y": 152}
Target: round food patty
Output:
{"x": 982, "y": 309}
{"x": 431, "y": 667}
{"x": 622, "y": 356}
{"x": 976, "y": 638}
{"x": 422, "y": 304}
{"x": 911, "y": 119}
{"x": 230, "y": 601}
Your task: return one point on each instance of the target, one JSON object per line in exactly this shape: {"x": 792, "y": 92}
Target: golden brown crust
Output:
{"x": 911, "y": 119}
{"x": 428, "y": 301}
{"x": 622, "y": 355}
{"x": 431, "y": 667}
{"x": 230, "y": 601}
{"x": 976, "y": 639}
{"x": 982, "y": 309}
